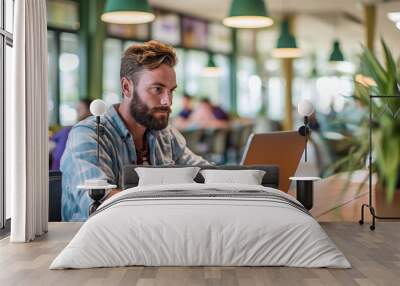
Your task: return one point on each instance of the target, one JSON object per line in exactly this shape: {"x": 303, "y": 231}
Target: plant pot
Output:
{"x": 382, "y": 206}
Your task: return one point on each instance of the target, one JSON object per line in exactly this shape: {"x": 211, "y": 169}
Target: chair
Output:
{"x": 193, "y": 137}
{"x": 244, "y": 131}
{"x": 216, "y": 140}
{"x": 247, "y": 129}
{"x": 234, "y": 141}
{"x": 55, "y": 190}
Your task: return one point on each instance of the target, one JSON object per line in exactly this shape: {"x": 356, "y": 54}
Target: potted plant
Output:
{"x": 376, "y": 78}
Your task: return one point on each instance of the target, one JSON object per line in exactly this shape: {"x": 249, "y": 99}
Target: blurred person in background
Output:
{"x": 186, "y": 106}
{"x": 59, "y": 139}
{"x": 181, "y": 121}
{"x": 208, "y": 115}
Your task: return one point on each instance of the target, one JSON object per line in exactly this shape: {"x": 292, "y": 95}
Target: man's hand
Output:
{"x": 113, "y": 192}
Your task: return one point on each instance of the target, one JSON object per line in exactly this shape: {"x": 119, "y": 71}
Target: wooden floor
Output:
{"x": 333, "y": 203}
{"x": 375, "y": 257}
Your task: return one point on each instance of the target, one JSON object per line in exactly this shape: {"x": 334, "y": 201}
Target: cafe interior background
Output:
{"x": 258, "y": 90}
{"x": 257, "y": 87}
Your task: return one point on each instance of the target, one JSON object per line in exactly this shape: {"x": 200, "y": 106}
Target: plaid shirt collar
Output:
{"x": 113, "y": 116}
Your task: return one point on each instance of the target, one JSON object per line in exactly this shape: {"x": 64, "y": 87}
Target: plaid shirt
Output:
{"x": 117, "y": 148}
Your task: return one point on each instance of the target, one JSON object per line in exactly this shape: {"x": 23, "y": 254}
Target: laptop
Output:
{"x": 282, "y": 148}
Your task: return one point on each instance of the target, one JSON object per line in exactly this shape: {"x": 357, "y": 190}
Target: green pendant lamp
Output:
{"x": 248, "y": 14}
{"x": 211, "y": 70}
{"x": 286, "y": 46}
{"x": 336, "y": 55}
{"x": 127, "y": 12}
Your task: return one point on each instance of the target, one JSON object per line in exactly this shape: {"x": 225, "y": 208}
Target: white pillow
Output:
{"x": 163, "y": 176}
{"x": 248, "y": 177}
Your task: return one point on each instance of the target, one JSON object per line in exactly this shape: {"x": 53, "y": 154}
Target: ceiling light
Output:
{"x": 127, "y": 12}
{"x": 286, "y": 46}
{"x": 211, "y": 70}
{"x": 248, "y": 14}
{"x": 336, "y": 54}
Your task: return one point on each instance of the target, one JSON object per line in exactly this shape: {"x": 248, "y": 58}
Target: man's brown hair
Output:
{"x": 147, "y": 56}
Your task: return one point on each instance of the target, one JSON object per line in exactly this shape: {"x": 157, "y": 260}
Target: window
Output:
{"x": 6, "y": 44}
{"x": 218, "y": 87}
{"x": 195, "y": 61}
{"x": 332, "y": 93}
{"x": 249, "y": 87}
{"x": 63, "y": 58}
{"x": 276, "y": 98}
{"x": 53, "y": 106}
{"x": 69, "y": 78}
{"x": 63, "y": 75}
{"x": 111, "y": 66}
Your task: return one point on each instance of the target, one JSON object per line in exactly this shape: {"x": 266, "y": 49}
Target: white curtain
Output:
{"x": 26, "y": 123}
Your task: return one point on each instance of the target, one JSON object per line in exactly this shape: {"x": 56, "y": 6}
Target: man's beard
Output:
{"x": 145, "y": 116}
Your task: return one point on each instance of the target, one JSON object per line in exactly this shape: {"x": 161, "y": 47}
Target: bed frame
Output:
{"x": 130, "y": 178}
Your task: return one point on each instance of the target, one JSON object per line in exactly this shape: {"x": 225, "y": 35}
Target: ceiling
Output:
{"x": 317, "y": 21}
{"x": 208, "y": 8}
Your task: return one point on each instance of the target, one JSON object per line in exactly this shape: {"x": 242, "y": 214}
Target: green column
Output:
{"x": 369, "y": 23}
{"x": 287, "y": 68}
{"x": 83, "y": 49}
{"x": 288, "y": 75}
{"x": 233, "y": 75}
{"x": 91, "y": 35}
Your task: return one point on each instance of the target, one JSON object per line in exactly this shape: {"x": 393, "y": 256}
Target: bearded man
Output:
{"x": 136, "y": 131}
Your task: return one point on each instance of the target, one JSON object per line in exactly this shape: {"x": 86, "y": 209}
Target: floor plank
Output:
{"x": 375, "y": 257}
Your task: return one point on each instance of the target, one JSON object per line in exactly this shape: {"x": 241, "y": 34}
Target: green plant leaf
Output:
{"x": 385, "y": 128}
{"x": 374, "y": 68}
{"x": 391, "y": 70}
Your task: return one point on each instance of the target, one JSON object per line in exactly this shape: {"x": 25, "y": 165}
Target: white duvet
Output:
{"x": 200, "y": 231}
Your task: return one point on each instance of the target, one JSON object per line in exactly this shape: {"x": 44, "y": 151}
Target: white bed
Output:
{"x": 249, "y": 226}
